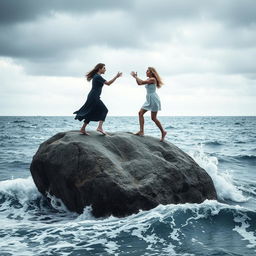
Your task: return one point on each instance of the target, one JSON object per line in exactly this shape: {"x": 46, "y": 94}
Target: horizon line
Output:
{"x": 132, "y": 116}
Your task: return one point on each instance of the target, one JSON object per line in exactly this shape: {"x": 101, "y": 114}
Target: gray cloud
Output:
{"x": 54, "y": 37}
{"x": 13, "y": 11}
{"x": 233, "y": 11}
{"x": 58, "y": 36}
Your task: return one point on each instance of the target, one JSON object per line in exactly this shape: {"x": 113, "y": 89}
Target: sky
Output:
{"x": 204, "y": 51}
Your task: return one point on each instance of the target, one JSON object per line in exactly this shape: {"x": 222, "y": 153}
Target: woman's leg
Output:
{"x": 141, "y": 120}
{"x": 159, "y": 125}
{"x": 82, "y": 130}
{"x": 104, "y": 112}
{"x": 100, "y": 128}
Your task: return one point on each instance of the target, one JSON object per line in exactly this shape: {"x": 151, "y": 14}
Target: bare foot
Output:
{"x": 140, "y": 133}
{"x": 163, "y": 135}
{"x": 84, "y": 132}
{"x": 101, "y": 131}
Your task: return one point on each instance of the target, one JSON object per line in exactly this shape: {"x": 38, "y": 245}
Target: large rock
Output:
{"x": 118, "y": 174}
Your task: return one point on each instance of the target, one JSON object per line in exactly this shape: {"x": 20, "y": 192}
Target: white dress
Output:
{"x": 152, "y": 100}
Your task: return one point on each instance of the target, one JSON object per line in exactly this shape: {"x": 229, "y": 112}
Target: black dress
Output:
{"x": 93, "y": 109}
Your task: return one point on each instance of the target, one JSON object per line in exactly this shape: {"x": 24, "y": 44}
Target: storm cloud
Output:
{"x": 36, "y": 33}
{"x": 196, "y": 38}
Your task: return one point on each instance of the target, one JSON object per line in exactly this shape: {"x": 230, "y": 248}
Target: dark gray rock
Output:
{"x": 118, "y": 174}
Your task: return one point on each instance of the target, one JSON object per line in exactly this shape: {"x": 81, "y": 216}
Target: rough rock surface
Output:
{"x": 118, "y": 174}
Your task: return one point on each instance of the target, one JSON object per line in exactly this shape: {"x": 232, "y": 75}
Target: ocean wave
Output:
{"x": 169, "y": 127}
{"x": 26, "y": 126}
{"x": 23, "y": 191}
{"x": 17, "y": 192}
{"x": 169, "y": 229}
{"x": 170, "y": 225}
{"x": 246, "y": 158}
{"x": 240, "y": 142}
{"x": 223, "y": 181}
{"x": 20, "y": 199}
{"x": 5, "y": 137}
{"x": 19, "y": 121}
{"x": 213, "y": 143}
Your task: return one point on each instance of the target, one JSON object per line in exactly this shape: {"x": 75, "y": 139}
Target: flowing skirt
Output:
{"x": 93, "y": 110}
{"x": 152, "y": 103}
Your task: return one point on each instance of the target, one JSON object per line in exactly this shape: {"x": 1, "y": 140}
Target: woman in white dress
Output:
{"x": 152, "y": 103}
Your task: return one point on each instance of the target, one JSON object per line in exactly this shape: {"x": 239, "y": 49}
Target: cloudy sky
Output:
{"x": 204, "y": 50}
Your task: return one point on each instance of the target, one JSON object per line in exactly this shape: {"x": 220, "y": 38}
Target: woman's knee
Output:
{"x": 141, "y": 113}
{"x": 153, "y": 118}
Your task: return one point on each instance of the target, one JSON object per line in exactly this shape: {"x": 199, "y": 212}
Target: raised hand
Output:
{"x": 119, "y": 74}
{"x": 134, "y": 74}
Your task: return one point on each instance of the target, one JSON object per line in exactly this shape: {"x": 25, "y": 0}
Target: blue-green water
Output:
{"x": 224, "y": 146}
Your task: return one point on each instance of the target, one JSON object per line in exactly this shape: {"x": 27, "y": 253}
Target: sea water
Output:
{"x": 224, "y": 146}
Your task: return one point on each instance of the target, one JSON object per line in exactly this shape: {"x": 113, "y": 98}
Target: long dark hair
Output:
{"x": 94, "y": 71}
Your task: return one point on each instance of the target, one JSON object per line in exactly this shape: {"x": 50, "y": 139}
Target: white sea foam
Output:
{"x": 86, "y": 215}
{"x": 22, "y": 189}
{"x": 88, "y": 233}
{"x": 223, "y": 180}
{"x": 242, "y": 230}
{"x": 57, "y": 203}
{"x": 85, "y": 231}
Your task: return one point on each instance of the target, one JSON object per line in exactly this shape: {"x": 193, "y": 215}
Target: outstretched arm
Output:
{"x": 140, "y": 81}
{"x": 113, "y": 80}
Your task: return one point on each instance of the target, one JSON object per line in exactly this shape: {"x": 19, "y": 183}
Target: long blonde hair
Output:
{"x": 159, "y": 81}
{"x": 91, "y": 73}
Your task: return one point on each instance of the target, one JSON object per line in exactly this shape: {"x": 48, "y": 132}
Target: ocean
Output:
{"x": 224, "y": 146}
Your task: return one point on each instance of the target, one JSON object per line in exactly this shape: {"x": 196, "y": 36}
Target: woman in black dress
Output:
{"x": 94, "y": 109}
